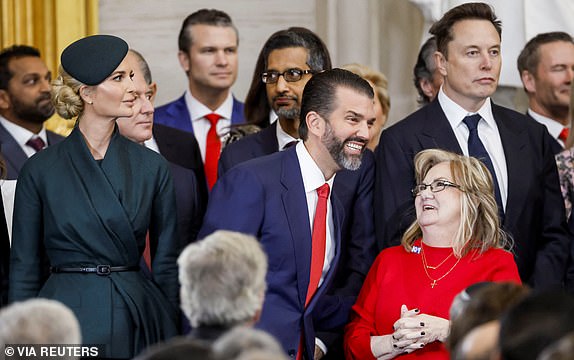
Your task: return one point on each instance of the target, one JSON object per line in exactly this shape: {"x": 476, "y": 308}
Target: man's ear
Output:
{"x": 441, "y": 62}
{"x": 5, "y": 102}
{"x": 153, "y": 90}
{"x": 315, "y": 123}
{"x": 184, "y": 61}
{"x": 528, "y": 81}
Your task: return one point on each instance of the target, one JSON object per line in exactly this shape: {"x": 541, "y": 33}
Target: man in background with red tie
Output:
{"x": 285, "y": 200}
{"x": 208, "y": 43}
{"x": 25, "y": 103}
{"x": 546, "y": 67}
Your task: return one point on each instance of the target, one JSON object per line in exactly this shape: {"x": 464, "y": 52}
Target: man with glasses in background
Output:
{"x": 288, "y": 60}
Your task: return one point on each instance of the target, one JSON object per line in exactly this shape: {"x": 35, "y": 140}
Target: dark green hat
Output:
{"x": 92, "y": 59}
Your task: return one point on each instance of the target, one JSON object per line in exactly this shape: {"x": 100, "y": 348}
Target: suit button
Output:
{"x": 292, "y": 353}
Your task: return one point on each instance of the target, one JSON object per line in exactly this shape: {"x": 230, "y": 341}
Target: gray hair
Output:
{"x": 222, "y": 279}
{"x": 245, "y": 343}
{"x": 38, "y": 321}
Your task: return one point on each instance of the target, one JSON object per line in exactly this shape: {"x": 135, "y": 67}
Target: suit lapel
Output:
{"x": 514, "y": 139}
{"x": 237, "y": 113}
{"x": 437, "y": 132}
{"x": 268, "y": 139}
{"x": 13, "y": 154}
{"x": 338, "y": 213}
{"x": 178, "y": 111}
{"x": 295, "y": 207}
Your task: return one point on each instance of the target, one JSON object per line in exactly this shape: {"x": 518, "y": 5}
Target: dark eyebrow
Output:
{"x": 351, "y": 112}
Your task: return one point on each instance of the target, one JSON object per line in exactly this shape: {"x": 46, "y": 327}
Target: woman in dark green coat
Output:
{"x": 86, "y": 205}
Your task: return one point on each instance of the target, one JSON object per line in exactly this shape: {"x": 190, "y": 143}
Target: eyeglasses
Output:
{"x": 435, "y": 186}
{"x": 290, "y": 75}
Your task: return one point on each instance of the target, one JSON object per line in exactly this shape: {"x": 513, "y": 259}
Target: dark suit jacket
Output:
{"x": 181, "y": 150}
{"x": 14, "y": 158}
{"x": 265, "y": 197}
{"x": 554, "y": 145}
{"x": 175, "y": 114}
{"x": 355, "y": 191}
{"x": 4, "y": 256}
{"x": 534, "y": 209}
{"x": 13, "y": 153}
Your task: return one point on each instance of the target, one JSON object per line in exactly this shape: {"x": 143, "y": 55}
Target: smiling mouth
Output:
{"x": 428, "y": 207}
{"x": 355, "y": 146}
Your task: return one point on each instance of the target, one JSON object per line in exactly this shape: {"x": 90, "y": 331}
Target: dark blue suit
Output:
{"x": 265, "y": 197}
{"x": 175, "y": 114}
{"x": 534, "y": 213}
{"x": 14, "y": 155}
{"x": 355, "y": 191}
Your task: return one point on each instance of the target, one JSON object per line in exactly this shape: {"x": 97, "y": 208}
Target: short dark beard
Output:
{"x": 336, "y": 148}
{"x": 288, "y": 113}
{"x": 33, "y": 114}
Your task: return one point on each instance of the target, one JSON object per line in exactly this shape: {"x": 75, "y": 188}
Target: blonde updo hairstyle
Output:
{"x": 480, "y": 225}
{"x": 66, "y": 95}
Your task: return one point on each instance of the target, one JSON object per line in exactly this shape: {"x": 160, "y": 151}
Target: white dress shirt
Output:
{"x": 487, "y": 132}
{"x": 553, "y": 126}
{"x": 282, "y": 137}
{"x": 201, "y": 125}
{"x": 151, "y": 144}
{"x": 312, "y": 179}
{"x": 22, "y": 135}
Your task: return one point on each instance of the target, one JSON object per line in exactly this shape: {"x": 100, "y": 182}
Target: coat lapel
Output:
{"x": 13, "y": 154}
{"x": 437, "y": 132}
{"x": 98, "y": 185}
{"x": 268, "y": 139}
{"x": 295, "y": 206}
{"x": 514, "y": 140}
{"x": 178, "y": 111}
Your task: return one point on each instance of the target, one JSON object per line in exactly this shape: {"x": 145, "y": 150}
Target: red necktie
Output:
{"x": 36, "y": 143}
{"x": 318, "y": 240}
{"x": 212, "y": 150}
{"x": 318, "y": 244}
{"x": 564, "y": 134}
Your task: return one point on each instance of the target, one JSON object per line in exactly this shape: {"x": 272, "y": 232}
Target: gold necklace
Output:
{"x": 439, "y": 265}
{"x": 434, "y": 281}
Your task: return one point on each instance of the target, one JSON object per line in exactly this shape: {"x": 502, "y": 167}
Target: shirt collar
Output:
{"x": 553, "y": 126}
{"x": 197, "y": 110}
{"x": 312, "y": 175}
{"x": 20, "y": 134}
{"x": 455, "y": 114}
{"x": 282, "y": 137}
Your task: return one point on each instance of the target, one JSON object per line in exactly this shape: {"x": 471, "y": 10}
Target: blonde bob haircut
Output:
{"x": 479, "y": 226}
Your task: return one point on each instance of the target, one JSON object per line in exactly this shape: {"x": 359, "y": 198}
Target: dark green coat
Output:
{"x": 83, "y": 212}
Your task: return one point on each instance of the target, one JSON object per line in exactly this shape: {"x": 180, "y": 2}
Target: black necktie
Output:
{"x": 477, "y": 150}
